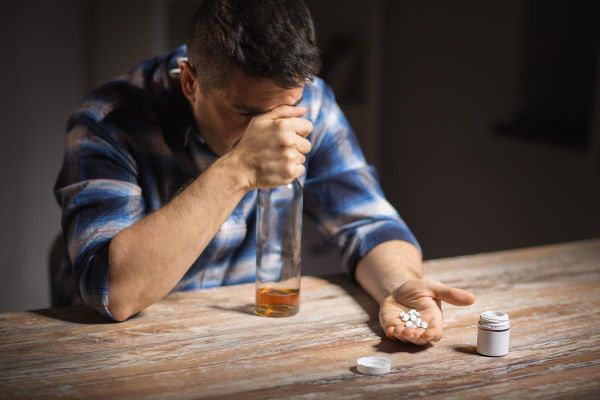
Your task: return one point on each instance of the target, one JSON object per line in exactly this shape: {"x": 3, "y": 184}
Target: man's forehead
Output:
{"x": 247, "y": 93}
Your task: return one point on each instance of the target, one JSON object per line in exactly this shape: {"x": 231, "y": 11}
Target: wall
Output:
{"x": 121, "y": 34}
{"x": 42, "y": 80}
{"x": 451, "y": 72}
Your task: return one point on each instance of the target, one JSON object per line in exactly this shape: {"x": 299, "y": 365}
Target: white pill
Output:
{"x": 410, "y": 324}
{"x": 412, "y": 311}
{"x": 424, "y": 325}
{"x": 402, "y": 314}
{"x": 413, "y": 318}
{"x": 418, "y": 321}
{"x": 405, "y": 317}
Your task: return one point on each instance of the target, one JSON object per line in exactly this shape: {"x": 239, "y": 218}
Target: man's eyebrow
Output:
{"x": 251, "y": 110}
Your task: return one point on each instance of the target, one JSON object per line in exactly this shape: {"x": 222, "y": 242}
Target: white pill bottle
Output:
{"x": 493, "y": 333}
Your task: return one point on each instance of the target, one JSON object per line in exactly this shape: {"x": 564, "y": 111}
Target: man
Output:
{"x": 158, "y": 185}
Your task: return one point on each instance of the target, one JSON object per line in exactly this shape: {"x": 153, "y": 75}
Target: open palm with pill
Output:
{"x": 418, "y": 302}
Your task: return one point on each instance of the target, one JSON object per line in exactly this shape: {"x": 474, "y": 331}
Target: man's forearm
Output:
{"x": 387, "y": 266}
{"x": 147, "y": 259}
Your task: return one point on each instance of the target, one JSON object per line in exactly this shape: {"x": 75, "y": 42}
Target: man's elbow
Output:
{"x": 118, "y": 312}
{"x": 120, "y": 306}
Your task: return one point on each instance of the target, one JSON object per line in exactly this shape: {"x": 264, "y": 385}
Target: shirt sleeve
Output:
{"x": 98, "y": 192}
{"x": 341, "y": 192}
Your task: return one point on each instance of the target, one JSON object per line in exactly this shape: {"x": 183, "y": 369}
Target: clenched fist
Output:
{"x": 273, "y": 148}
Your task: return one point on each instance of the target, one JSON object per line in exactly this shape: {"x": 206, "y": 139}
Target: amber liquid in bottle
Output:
{"x": 278, "y": 255}
{"x": 272, "y": 302}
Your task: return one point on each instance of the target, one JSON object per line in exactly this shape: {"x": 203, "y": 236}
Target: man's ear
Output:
{"x": 188, "y": 80}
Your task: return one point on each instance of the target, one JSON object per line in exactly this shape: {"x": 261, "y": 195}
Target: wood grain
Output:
{"x": 208, "y": 344}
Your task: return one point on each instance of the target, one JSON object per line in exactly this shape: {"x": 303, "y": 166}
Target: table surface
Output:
{"x": 209, "y": 344}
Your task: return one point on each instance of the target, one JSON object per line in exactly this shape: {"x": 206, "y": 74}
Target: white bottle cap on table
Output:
{"x": 372, "y": 365}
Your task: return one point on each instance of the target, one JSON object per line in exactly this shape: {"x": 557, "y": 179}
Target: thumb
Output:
{"x": 454, "y": 296}
{"x": 285, "y": 112}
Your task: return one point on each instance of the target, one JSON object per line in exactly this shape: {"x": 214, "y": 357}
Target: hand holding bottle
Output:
{"x": 273, "y": 148}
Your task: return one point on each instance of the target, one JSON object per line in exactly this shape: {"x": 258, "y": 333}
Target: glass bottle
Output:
{"x": 278, "y": 237}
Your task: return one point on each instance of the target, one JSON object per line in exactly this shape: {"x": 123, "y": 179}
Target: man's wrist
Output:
{"x": 387, "y": 267}
{"x": 232, "y": 170}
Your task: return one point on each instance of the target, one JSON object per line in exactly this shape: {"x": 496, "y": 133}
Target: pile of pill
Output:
{"x": 413, "y": 319}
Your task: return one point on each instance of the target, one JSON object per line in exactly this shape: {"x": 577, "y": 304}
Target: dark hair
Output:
{"x": 272, "y": 39}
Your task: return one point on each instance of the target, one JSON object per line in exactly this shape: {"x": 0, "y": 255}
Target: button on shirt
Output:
{"x": 133, "y": 145}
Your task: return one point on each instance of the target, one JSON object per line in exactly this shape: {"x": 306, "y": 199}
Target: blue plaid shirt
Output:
{"x": 133, "y": 144}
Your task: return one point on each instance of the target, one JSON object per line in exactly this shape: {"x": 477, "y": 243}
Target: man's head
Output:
{"x": 272, "y": 39}
{"x": 246, "y": 57}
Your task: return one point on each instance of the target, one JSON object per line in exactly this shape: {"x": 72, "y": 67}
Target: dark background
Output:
{"x": 482, "y": 118}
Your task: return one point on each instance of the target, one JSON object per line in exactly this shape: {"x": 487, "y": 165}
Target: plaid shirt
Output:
{"x": 133, "y": 144}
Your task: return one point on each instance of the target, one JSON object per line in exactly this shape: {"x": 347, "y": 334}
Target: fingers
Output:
{"x": 395, "y": 329}
{"x": 433, "y": 316}
{"x": 297, "y": 126}
{"x": 413, "y": 335}
{"x": 292, "y": 157}
{"x": 292, "y": 132}
{"x": 301, "y": 126}
{"x": 300, "y": 170}
{"x": 454, "y": 296}
{"x": 279, "y": 136}
{"x": 285, "y": 112}
{"x": 302, "y": 145}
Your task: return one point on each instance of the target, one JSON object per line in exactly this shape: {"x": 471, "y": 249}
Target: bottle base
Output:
{"x": 276, "y": 310}
{"x": 277, "y": 303}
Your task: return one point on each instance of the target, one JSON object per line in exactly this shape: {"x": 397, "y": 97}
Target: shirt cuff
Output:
{"x": 386, "y": 231}
{"x": 93, "y": 282}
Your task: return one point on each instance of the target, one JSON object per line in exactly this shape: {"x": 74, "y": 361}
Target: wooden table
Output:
{"x": 209, "y": 344}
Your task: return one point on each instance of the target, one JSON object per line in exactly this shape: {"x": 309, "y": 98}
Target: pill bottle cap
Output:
{"x": 372, "y": 365}
{"x": 494, "y": 320}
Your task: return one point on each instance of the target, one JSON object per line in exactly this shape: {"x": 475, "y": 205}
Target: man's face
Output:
{"x": 222, "y": 114}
